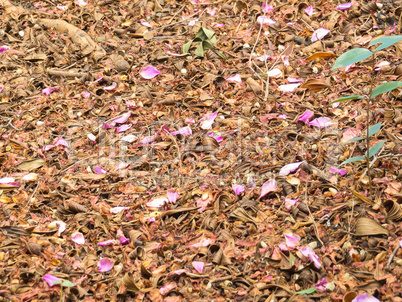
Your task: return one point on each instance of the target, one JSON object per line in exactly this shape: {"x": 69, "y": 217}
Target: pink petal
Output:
{"x": 116, "y": 210}
{"x": 148, "y": 139}
{"x": 122, "y": 119}
{"x": 344, "y": 6}
{"x": 400, "y": 243}
{"x": 78, "y": 238}
{"x": 285, "y": 170}
{"x": 275, "y": 73}
{"x": 172, "y": 196}
{"x": 236, "y": 78}
{"x": 49, "y": 90}
{"x": 208, "y": 120}
{"x": 111, "y": 87}
{"x": 264, "y": 20}
{"x": 91, "y": 137}
{"x": 157, "y": 202}
{"x": 306, "y": 116}
{"x": 211, "y": 11}
{"x": 292, "y": 240}
{"x": 4, "y": 48}
{"x": 121, "y": 165}
{"x": 50, "y": 279}
{"x": 350, "y": 133}
{"x": 62, "y": 227}
{"x": 202, "y": 243}
{"x": 198, "y": 265}
{"x": 82, "y": 3}
{"x": 183, "y": 131}
{"x": 321, "y": 122}
{"x": 203, "y": 204}
{"x": 1, "y": 88}
{"x": 218, "y": 138}
{"x": 365, "y": 298}
{"x": 145, "y": 23}
{"x": 129, "y": 138}
{"x": 62, "y": 7}
{"x": 342, "y": 172}
{"x": 61, "y": 142}
{"x": 319, "y": 34}
{"x": 108, "y": 126}
{"x": 48, "y": 147}
{"x": 321, "y": 284}
{"x": 107, "y": 242}
{"x": 86, "y": 94}
{"x": 190, "y": 121}
{"x": 218, "y": 24}
{"x": 307, "y": 251}
{"x": 238, "y": 189}
{"x": 123, "y": 240}
{"x": 290, "y": 202}
{"x": 105, "y": 265}
{"x": 268, "y": 187}
{"x": 149, "y": 72}
{"x": 6, "y": 180}
{"x": 267, "y": 8}
{"x": 164, "y": 290}
{"x": 123, "y": 128}
{"x": 294, "y": 80}
{"x": 309, "y": 10}
{"x": 130, "y": 103}
{"x": 98, "y": 170}
{"x": 288, "y": 87}
{"x": 192, "y": 22}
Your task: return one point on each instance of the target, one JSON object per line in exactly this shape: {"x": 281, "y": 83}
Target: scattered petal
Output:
{"x": 60, "y": 224}
{"x": 122, "y": 119}
{"x": 192, "y": 22}
{"x": 321, "y": 122}
{"x": 319, "y": 34}
{"x": 49, "y": 90}
{"x": 7, "y": 180}
{"x": 149, "y": 72}
{"x": 50, "y": 279}
{"x": 107, "y": 242}
{"x": 111, "y": 87}
{"x": 164, "y": 290}
{"x": 268, "y": 187}
{"x": 267, "y": 8}
{"x": 309, "y": 10}
{"x": 238, "y": 189}
{"x": 198, "y": 265}
{"x": 208, "y": 120}
{"x": 342, "y": 172}
{"x": 116, "y": 210}
{"x": 285, "y": 170}
{"x": 292, "y": 240}
{"x": 290, "y": 202}
{"x": 145, "y": 23}
{"x": 172, "y": 196}
{"x": 212, "y": 11}
{"x": 78, "y": 238}
{"x": 4, "y": 48}
{"x": 202, "y": 243}
{"x": 236, "y": 78}
{"x": 129, "y": 138}
{"x": 183, "y": 131}
{"x": 275, "y": 73}
{"x": 91, "y": 137}
{"x": 218, "y": 24}
{"x": 99, "y": 170}
{"x": 61, "y": 142}
{"x": 82, "y": 3}
{"x": 123, "y": 128}
{"x": 30, "y": 177}
{"x": 344, "y": 6}
{"x": 294, "y": 80}
{"x": 157, "y": 202}
{"x": 365, "y": 298}
{"x": 148, "y": 139}
{"x": 105, "y": 265}
{"x": 321, "y": 284}
{"x": 288, "y": 87}
{"x": 307, "y": 251}
{"x": 264, "y": 20}
{"x": 306, "y": 116}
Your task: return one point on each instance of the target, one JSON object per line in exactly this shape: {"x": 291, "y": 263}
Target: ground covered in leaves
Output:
{"x": 131, "y": 171}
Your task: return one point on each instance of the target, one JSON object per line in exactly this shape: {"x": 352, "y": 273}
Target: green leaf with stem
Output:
{"x": 307, "y": 291}
{"x": 221, "y": 55}
{"x": 374, "y": 149}
{"x": 67, "y": 283}
{"x": 385, "y": 87}
{"x": 352, "y": 159}
{"x": 386, "y": 42}
{"x": 374, "y": 129}
{"x": 347, "y": 98}
{"x": 352, "y": 56}
{"x": 209, "y": 33}
{"x": 199, "y": 51}
{"x": 355, "y": 139}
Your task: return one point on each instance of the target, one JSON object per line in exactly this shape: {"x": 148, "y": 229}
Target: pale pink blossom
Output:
{"x": 157, "y": 202}
{"x": 105, "y": 265}
{"x": 98, "y": 170}
{"x": 183, "y": 131}
{"x": 365, "y": 298}
{"x": 122, "y": 119}
{"x": 307, "y": 251}
{"x": 123, "y": 128}
{"x": 192, "y": 22}
{"x": 78, "y": 238}
{"x": 235, "y": 78}
{"x": 309, "y": 10}
{"x": 60, "y": 142}
{"x": 82, "y": 3}
{"x": 265, "y": 21}
{"x": 49, "y": 90}
{"x": 342, "y": 172}
{"x": 319, "y": 34}
{"x": 218, "y": 24}
{"x": 5, "y": 48}
{"x": 238, "y": 189}
{"x": 321, "y": 122}
{"x": 7, "y": 180}
{"x": 198, "y": 265}
{"x": 267, "y": 7}
{"x": 208, "y": 120}
{"x": 294, "y": 80}
{"x": 50, "y": 279}
{"x": 268, "y": 187}
{"x": 149, "y": 72}
{"x": 350, "y": 133}
{"x": 111, "y": 87}
{"x": 148, "y": 139}
{"x": 164, "y": 290}
{"x": 321, "y": 285}
{"x": 91, "y": 137}
{"x": 290, "y": 202}
{"x": 344, "y": 6}
{"x": 275, "y": 73}
{"x": 145, "y": 23}
{"x": 129, "y": 138}
{"x": 202, "y": 243}
{"x": 172, "y": 196}
{"x": 285, "y": 170}
{"x": 123, "y": 240}
{"x": 117, "y": 210}
{"x": 288, "y": 87}
{"x": 212, "y": 10}
{"x": 107, "y": 242}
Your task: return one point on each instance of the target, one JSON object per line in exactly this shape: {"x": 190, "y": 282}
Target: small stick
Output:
{"x": 311, "y": 215}
{"x": 178, "y": 22}
{"x": 396, "y": 249}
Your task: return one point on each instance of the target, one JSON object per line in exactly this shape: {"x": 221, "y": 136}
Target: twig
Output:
{"x": 267, "y": 83}
{"x": 178, "y": 22}
{"x": 396, "y": 249}
{"x": 34, "y": 192}
{"x": 171, "y": 19}
{"x": 177, "y": 146}
{"x": 311, "y": 216}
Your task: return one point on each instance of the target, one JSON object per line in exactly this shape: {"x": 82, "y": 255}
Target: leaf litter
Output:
{"x": 133, "y": 171}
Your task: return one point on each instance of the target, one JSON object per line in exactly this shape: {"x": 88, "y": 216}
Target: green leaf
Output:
{"x": 67, "y": 283}
{"x": 292, "y": 259}
{"x": 352, "y": 159}
{"x": 307, "y": 291}
{"x": 374, "y": 129}
{"x": 347, "y": 98}
{"x": 386, "y": 42}
{"x": 351, "y": 56}
{"x": 186, "y": 47}
{"x": 201, "y": 35}
{"x": 221, "y": 55}
{"x": 57, "y": 282}
{"x": 373, "y": 150}
{"x": 209, "y": 33}
{"x": 355, "y": 139}
{"x": 206, "y": 45}
{"x": 385, "y": 87}
{"x": 199, "y": 51}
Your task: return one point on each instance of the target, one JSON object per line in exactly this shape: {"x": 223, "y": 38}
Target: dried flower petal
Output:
{"x": 321, "y": 284}
{"x": 275, "y": 73}
{"x": 306, "y": 116}
{"x": 105, "y": 265}
{"x": 309, "y": 10}
{"x": 149, "y": 72}
{"x": 268, "y": 187}
{"x": 116, "y": 210}
{"x": 285, "y": 170}
{"x": 111, "y": 87}
{"x": 208, "y": 120}
{"x": 50, "y": 279}
{"x": 236, "y": 78}
{"x": 107, "y": 242}
{"x": 157, "y": 202}
{"x": 365, "y": 298}
{"x": 238, "y": 189}
{"x": 344, "y": 6}
{"x": 203, "y": 242}
{"x": 321, "y": 122}
{"x": 4, "y": 48}
{"x": 123, "y": 128}
{"x": 288, "y": 87}
{"x": 78, "y": 238}
{"x": 267, "y": 7}
{"x": 49, "y": 90}
{"x": 198, "y": 265}
{"x": 172, "y": 196}
{"x": 342, "y": 172}
{"x": 122, "y": 119}
{"x": 319, "y": 34}
{"x": 129, "y": 138}
{"x": 265, "y": 21}
{"x": 307, "y": 251}
{"x": 290, "y": 202}
{"x": 183, "y": 131}
{"x": 145, "y": 23}
{"x": 98, "y": 170}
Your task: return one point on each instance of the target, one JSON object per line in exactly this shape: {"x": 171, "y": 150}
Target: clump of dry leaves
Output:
{"x": 133, "y": 172}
